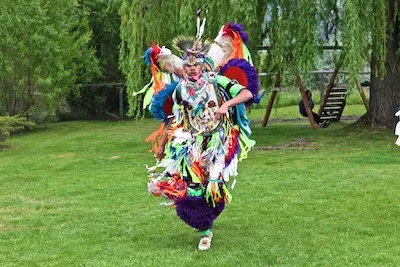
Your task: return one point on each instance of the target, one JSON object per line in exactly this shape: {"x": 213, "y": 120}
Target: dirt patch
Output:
{"x": 343, "y": 118}
{"x": 64, "y": 155}
{"x": 4, "y": 147}
{"x": 296, "y": 144}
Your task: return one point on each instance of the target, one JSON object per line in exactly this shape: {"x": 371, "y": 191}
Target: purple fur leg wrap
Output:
{"x": 196, "y": 213}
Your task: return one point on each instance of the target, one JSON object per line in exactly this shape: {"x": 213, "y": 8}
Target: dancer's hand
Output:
{"x": 221, "y": 112}
{"x": 160, "y": 153}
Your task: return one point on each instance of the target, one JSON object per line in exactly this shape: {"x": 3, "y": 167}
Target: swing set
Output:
{"x": 332, "y": 105}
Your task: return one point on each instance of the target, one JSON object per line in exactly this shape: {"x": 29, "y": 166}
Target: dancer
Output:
{"x": 205, "y": 131}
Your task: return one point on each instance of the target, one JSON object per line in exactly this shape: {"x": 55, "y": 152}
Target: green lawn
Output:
{"x": 74, "y": 194}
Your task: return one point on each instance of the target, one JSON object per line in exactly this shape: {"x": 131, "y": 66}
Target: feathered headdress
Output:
{"x": 194, "y": 49}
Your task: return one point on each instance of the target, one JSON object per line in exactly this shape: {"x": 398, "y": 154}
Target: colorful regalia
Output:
{"x": 202, "y": 153}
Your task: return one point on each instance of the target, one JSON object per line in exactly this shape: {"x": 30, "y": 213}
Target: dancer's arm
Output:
{"x": 243, "y": 96}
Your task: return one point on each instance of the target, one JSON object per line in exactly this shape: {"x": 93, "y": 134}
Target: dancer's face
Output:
{"x": 193, "y": 70}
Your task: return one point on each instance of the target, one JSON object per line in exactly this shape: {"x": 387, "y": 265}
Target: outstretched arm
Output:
{"x": 243, "y": 96}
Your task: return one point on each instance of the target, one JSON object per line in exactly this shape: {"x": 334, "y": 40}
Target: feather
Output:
{"x": 236, "y": 28}
{"x": 216, "y": 54}
{"x": 201, "y": 31}
{"x": 198, "y": 12}
{"x": 230, "y": 43}
{"x": 173, "y": 188}
{"x": 159, "y": 102}
{"x": 182, "y": 43}
{"x": 244, "y": 73}
{"x": 170, "y": 63}
{"x": 146, "y": 56}
{"x": 259, "y": 96}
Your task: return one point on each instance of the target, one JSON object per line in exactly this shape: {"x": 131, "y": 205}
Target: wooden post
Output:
{"x": 306, "y": 101}
{"x": 277, "y": 83}
{"x": 364, "y": 98}
{"x": 269, "y": 107}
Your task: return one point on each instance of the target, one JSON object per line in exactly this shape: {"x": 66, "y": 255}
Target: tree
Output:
{"x": 368, "y": 31}
{"x": 296, "y": 30}
{"x": 385, "y": 93}
{"x": 145, "y": 21}
{"x": 99, "y": 96}
{"x": 45, "y": 53}
{"x": 104, "y": 22}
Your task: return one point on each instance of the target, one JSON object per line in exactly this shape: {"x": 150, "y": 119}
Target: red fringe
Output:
{"x": 174, "y": 188}
{"x": 234, "y": 142}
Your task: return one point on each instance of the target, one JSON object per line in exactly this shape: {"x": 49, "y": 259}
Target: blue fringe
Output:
{"x": 258, "y": 98}
{"x": 146, "y": 56}
{"x": 241, "y": 119}
{"x": 157, "y": 104}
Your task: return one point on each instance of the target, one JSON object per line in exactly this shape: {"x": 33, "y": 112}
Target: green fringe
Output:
{"x": 245, "y": 145}
{"x": 215, "y": 142}
{"x": 227, "y": 194}
{"x": 199, "y": 140}
{"x": 246, "y": 54}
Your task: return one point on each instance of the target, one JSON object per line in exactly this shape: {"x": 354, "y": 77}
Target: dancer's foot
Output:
{"x": 205, "y": 241}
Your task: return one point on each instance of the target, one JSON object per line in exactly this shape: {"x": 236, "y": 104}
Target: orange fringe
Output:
{"x": 155, "y": 138}
{"x": 216, "y": 193}
{"x": 198, "y": 171}
{"x": 174, "y": 188}
{"x": 237, "y": 44}
{"x": 158, "y": 84}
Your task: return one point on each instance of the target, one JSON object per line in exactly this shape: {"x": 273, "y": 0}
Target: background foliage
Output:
{"x": 144, "y": 22}
{"x": 52, "y": 50}
{"x": 101, "y": 93}
{"x": 45, "y": 55}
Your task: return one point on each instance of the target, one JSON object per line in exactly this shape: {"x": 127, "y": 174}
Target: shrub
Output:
{"x": 14, "y": 124}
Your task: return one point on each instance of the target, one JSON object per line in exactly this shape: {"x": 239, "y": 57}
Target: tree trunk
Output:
{"x": 385, "y": 93}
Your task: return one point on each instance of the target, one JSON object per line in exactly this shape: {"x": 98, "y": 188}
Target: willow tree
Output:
{"x": 385, "y": 93}
{"x": 367, "y": 30}
{"x": 144, "y": 22}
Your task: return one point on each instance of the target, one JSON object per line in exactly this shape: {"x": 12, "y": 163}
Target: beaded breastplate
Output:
{"x": 200, "y": 100}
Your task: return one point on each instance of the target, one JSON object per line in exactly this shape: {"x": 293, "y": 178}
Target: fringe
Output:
{"x": 155, "y": 138}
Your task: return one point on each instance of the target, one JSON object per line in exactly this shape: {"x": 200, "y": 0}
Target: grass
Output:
{"x": 74, "y": 194}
